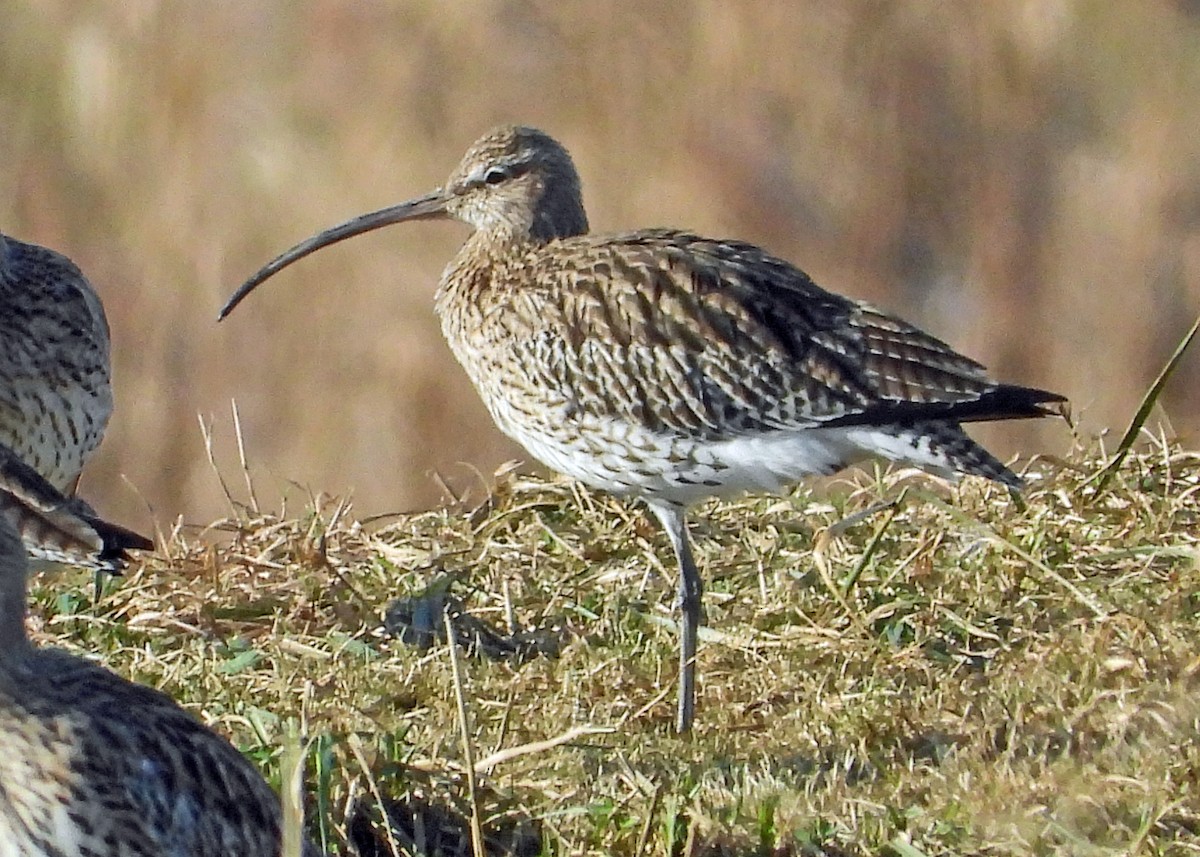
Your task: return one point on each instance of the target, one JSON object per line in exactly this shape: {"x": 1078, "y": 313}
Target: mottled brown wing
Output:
{"x": 715, "y": 338}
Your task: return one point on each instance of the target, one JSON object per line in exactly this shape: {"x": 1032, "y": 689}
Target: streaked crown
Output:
{"x": 518, "y": 180}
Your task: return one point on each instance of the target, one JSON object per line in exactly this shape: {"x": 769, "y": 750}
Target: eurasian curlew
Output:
{"x": 666, "y": 366}
{"x": 55, "y": 372}
{"x": 91, "y": 763}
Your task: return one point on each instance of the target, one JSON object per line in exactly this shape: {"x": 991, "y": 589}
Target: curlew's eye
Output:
{"x": 495, "y": 175}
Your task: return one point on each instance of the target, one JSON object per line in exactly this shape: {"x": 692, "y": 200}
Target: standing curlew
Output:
{"x": 91, "y": 763}
{"x": 670, "y": 367}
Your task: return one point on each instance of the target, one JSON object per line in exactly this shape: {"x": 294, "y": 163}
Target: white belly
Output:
{"x": 632, "y": 462}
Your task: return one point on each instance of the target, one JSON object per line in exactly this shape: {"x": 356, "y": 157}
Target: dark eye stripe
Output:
{"x": 498, "y": 174}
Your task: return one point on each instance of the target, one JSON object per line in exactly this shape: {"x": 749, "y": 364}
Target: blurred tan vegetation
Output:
{"x": 1022, "y": 178}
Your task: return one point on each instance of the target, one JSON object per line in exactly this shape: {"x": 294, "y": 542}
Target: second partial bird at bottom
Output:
{"x": 668, "y": 367}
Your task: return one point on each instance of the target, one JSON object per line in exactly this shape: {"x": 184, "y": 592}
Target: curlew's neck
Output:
{"x": 468, "y": 273}
{"x": 550, "y": 208}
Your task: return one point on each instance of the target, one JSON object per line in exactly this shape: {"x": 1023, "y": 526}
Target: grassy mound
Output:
{"x": 953, "y": 671}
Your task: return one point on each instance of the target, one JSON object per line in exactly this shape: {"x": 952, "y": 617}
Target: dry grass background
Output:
{"x": 1020, "y": 177}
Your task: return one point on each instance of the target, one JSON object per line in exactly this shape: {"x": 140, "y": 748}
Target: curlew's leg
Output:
{"x": 690, "y": 589}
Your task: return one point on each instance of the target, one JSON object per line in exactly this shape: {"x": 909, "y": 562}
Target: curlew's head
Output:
{"x": 518, "y": 180}
{"x": 514, "y": 182}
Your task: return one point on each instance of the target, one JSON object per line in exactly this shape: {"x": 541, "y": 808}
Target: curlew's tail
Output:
{"x": 939, "y": 446}
{"x": 963, "y": 456}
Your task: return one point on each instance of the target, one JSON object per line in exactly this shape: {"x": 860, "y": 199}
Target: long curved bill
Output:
{"x": 431, "y": 205}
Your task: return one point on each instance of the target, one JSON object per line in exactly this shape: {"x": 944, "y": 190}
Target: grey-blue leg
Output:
{"x": 691, "y": 588}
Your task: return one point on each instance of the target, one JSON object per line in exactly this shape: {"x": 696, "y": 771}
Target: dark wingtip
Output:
{"x": 1003, "y": 402}
{"x": 118, "y": 541}
{"x": 1015, "y": 402}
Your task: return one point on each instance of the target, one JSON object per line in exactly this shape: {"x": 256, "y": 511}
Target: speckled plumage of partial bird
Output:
{"x": 92, "y": 764}
{"x": 669, "y": 367}
{"x": 55, "y": 375}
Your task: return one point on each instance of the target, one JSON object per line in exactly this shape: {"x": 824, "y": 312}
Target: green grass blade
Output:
{"x": 1102, "y": 477}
